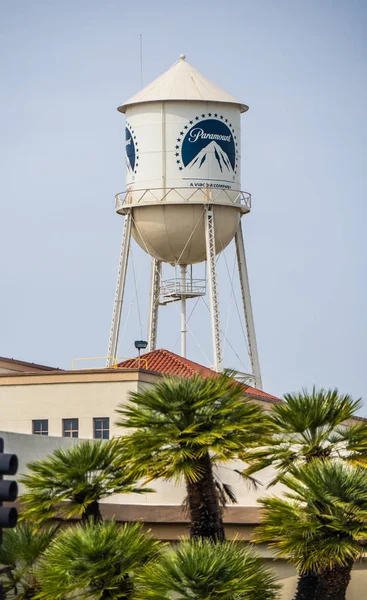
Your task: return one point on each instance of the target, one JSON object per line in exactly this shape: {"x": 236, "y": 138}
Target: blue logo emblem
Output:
{"x": 208, "y": 143}
{"x": 132, "y": 152}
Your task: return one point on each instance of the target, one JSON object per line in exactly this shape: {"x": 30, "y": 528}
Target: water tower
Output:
{"x": 183, "y": 201}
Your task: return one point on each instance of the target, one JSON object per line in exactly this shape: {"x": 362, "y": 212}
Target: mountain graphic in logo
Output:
{"x": 213, "y": 158}
{"x": 131, "y": 150}
{"x": 208, "y": 149}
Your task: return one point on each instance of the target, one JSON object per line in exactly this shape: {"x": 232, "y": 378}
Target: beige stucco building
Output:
{"x": 61, "y": 404}
{"x": 31, "y": 393}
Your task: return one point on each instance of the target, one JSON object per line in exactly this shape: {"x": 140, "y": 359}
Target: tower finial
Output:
{"x": 182, "y": 56}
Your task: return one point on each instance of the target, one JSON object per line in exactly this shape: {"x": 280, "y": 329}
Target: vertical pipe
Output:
{"x": 247, "y": 307}
{"x": 183, "y": 311}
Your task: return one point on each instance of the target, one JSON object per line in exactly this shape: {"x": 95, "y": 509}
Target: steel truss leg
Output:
{"x": 155, "y": 283}
{"x": 247, "y": 307}
{"x": 213, "y": 287}
{"x": 183, "y": 311}
{"x": 119, "y": 295}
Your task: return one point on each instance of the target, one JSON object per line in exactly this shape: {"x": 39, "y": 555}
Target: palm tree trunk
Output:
{"x": 92, "y": 512}
{"x": 205, "y": 513}
{"x": 306, "y": 586}
{"x": 333, "y": 583}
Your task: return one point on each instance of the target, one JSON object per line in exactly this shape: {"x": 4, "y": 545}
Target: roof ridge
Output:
{"x": 179, "y": 360}
{"x": 184, "y": 361}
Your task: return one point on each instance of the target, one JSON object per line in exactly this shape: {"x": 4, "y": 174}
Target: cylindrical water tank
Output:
{"x": 183, "y": 151}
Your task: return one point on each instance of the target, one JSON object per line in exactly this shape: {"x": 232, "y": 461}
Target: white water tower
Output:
{"x": 183, "y": 201}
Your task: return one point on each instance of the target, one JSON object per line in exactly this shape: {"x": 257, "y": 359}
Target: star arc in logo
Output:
{"x": 132, "y": 149}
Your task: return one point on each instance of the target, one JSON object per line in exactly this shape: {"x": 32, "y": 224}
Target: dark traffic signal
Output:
{"x": 8, "y": 489}
{"x": 8, "y": 492}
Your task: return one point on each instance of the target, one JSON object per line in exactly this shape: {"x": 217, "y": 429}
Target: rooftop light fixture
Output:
{"x": 140, "y": 345}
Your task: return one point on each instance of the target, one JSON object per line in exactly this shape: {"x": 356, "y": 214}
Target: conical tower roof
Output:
{"x": 182, "y": 82}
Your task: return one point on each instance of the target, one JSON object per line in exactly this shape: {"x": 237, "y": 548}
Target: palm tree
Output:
{"x": 181, "y": 427}
{"x": 201, "y": 570}
{"x": 310, "y": 426}
{"x": 320, "y": 525}
{"x": 92, "y": 561}
{"x": 81, "y": 475}
{"x": 20, "y": 553}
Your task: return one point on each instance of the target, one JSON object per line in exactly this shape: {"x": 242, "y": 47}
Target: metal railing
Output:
{"x": 183, "y": 195}
{"x": 190, "y": 287}
{"x": 246, "y": 378}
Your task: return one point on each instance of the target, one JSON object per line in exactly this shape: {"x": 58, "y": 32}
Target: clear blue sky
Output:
{"x": 301, "y": 66}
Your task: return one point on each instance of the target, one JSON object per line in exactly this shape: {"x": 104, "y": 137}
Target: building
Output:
{"x": 57, "y": 405}
{"x": 82, "y": 403}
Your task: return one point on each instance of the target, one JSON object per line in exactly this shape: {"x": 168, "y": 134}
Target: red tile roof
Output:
{"x": 169, "y": 363}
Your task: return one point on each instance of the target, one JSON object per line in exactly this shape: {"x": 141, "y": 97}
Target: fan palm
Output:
{"x": 201, "y": 570}
{"x": 181, "y": 427}
{"x": 20, "y": 552}
{"x": 81, "y": 475}
{"x": 92, "y": 561}
{"x": 320, "y": 525}
{"x": 311, "y": 425}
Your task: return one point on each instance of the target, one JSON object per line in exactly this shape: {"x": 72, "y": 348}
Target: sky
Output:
{"x": 300, "y": 66}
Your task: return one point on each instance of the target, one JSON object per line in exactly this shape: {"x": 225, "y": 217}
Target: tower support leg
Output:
{"x": 213, "y": 287}
{"x": 120, "y": 287}
{"x": 183, "y": 311}
{"x": 247, "y": 307}
{"x": 155, "y": 282}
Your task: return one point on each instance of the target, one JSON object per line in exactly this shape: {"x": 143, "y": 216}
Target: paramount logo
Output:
{"x": 208, "y": 149}
{"x": 199, "y": 133}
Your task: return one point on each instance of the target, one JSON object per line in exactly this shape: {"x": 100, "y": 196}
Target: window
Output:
{"x": 40, "y": 426}
{"x": 102, "y": 428}
{"x": 70, "y": 427}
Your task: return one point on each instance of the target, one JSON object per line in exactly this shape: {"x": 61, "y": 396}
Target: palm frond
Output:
{"x": 322, "y": 520}
{"x": 309, "y": 426}
{"x": 68, "y": 481}
{"x": 202, "y": 570}
{"x": 20, "y": 553}
{"x": 177, "y": 421}
{"x": 96, "y": 561}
